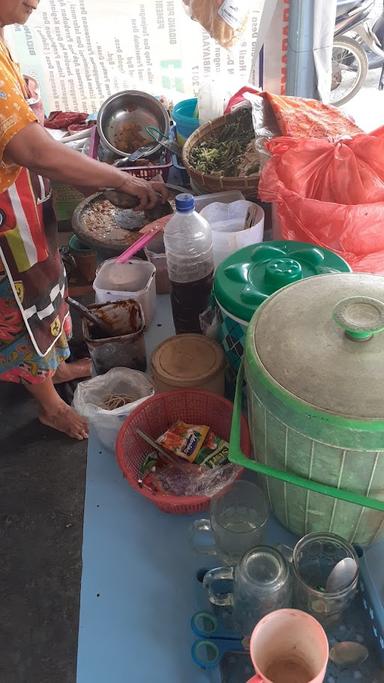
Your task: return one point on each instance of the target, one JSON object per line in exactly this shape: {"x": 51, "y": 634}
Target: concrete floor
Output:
{"x": 367, "y": 107}
{"x": 42, "y": 478}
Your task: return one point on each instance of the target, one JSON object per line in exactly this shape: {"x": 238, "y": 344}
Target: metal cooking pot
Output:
{"x": 127, "y": 108}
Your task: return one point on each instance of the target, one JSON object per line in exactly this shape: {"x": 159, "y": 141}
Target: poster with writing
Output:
{"x": 81, "y": 51}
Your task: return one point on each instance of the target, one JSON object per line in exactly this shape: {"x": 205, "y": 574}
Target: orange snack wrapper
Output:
{"x": 184, "y": 440}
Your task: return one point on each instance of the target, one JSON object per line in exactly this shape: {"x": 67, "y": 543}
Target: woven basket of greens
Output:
{"x": 221, "y": 154}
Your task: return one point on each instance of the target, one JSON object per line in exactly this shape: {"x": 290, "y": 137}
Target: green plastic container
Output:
{"x": 314, "y": 367}
{"x": 249, "y": 276}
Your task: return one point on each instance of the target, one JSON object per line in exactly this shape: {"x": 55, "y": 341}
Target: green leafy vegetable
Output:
{"x": 223, "y": 153}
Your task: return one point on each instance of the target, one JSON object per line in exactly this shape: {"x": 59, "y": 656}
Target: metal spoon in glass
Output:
{"x": 341, "y": 575}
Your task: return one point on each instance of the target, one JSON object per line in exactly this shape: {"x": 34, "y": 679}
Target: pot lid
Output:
{"x": 322, "y": 340}
{"x": 187, "y": 359}
{"x": 249, "y": 276}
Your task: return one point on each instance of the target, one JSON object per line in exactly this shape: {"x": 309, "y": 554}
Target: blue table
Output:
{"x": 138, "y": 585}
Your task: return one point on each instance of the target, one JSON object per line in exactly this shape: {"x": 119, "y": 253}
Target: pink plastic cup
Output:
{"x": 289, "y": 646}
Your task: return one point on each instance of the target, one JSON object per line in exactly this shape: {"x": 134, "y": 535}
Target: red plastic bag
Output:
{"x": 298, "y": 116}
{"x": 330, "y": 193}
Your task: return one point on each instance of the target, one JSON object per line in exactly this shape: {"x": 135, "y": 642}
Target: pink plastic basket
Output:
{"x": 145, "y": 172}
{"x": 154, "y": 417}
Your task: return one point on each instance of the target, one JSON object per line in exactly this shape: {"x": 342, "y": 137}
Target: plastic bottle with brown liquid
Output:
{"x": 188, "y": 248}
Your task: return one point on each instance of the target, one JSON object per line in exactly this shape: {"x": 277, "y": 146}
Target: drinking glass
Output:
{"x": 261, "y": 584}
{"x": 238, "y": 518}
{"x": 314, "y": 557}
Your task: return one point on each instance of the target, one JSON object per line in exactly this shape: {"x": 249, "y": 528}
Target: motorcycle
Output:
{"x": 353, "y": 56}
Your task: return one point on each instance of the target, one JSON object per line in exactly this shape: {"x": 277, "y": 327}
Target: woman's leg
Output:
{"x": 55, "y": 413}
{"x": 67, "y": 372}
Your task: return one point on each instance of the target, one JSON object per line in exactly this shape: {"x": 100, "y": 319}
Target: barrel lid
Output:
{"x": 249, "y": 276}
{"x": 322, "y": 340}
{"x": 187, "y": 360}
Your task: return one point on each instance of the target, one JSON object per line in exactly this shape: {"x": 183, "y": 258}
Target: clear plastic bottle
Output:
{"x": 188, "y": 248}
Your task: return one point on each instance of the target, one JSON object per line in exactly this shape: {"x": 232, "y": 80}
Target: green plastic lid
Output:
{"x": 249, "y": 276}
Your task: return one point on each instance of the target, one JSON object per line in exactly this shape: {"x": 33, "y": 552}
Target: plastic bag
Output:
{"x": 225, "y": 20}
{"x": 90, "y": 396}
{"x": 206, "y": 481}
{"x": 330, "y": 193}
{"x": 274, "y": 115}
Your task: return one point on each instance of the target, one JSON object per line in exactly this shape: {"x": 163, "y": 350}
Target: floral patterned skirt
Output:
{"x": 19, "y": 361}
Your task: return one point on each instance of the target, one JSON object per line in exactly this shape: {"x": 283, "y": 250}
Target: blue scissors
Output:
{"x": 213, "y": 641}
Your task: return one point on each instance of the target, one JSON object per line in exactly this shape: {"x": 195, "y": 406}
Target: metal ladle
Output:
{"x": 341, "y": 575}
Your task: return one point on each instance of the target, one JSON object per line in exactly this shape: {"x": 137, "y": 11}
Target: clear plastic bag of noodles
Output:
{"x": 224, "y": 20}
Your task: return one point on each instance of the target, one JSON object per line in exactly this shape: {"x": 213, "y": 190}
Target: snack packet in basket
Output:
{"x": 184, "y": 440}
{"x": 214, "y": 453}
{"x": 148, "y": 466}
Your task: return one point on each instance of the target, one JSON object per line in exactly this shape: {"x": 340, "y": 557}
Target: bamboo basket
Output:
{"x": 248, "y": 185}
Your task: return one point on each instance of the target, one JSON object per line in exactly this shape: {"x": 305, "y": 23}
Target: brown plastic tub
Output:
{"x": 125, "y": 347}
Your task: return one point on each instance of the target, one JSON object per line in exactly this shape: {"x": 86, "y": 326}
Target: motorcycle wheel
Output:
{"x": 349, "y": 70}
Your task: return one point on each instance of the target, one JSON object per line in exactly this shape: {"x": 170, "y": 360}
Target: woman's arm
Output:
{"x": 36, "y": 150}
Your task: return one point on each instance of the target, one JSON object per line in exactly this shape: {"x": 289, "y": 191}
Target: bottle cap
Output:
{"x": 185, "y": 202}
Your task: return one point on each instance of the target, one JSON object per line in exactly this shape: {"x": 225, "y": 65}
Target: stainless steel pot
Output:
{"x": 124, "y": 109}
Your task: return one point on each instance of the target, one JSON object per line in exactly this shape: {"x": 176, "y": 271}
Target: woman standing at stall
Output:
{"x": 34, "y": 318}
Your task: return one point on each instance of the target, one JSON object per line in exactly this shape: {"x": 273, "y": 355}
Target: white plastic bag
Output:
{"x": 234, "y": 225}
{"x": 91, "y": 394}
{"x": 214, "y": 93}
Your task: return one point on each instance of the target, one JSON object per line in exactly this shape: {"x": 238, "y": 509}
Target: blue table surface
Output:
{"x": 139, "y": 586}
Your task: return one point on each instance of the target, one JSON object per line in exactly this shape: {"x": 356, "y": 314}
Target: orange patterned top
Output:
{"x": 15, "y": 113}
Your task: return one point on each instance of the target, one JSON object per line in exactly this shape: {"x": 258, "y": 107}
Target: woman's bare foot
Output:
{"x": 66, "y": 372}
{"x": 65, "y": 419}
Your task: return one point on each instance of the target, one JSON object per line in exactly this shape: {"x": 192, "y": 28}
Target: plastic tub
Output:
{"x": 132, "y": 280}
{"x": 126, "y": 346}
{"x": 232, "y": 338}
{"x": 318, "y": 443}
{"x": 183, "y": 175}
{"x": 84, "y": 257}
{"x": 234, "y": 225}
{"x": 155, "y": 253}
{"x": 189, "y": 361}
{"x": 183, "y": 117}
{"x": 156, "y": 415}
{"x": 203, "y": 200}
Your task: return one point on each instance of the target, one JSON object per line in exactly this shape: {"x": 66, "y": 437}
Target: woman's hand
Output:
{"x": 35, "y": 149}
{"x": 149, "y": 192}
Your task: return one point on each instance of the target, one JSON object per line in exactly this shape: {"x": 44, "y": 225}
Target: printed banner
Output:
{"x": 81, "y": 51}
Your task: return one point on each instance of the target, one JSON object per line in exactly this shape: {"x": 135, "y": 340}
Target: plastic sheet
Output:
{"x": 274, "y": 115}
{"x": 203, "y": 482}
{"x": 330, "y": 193}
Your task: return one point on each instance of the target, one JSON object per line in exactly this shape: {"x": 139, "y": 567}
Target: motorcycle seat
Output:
{"x": 343, "y": 6}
